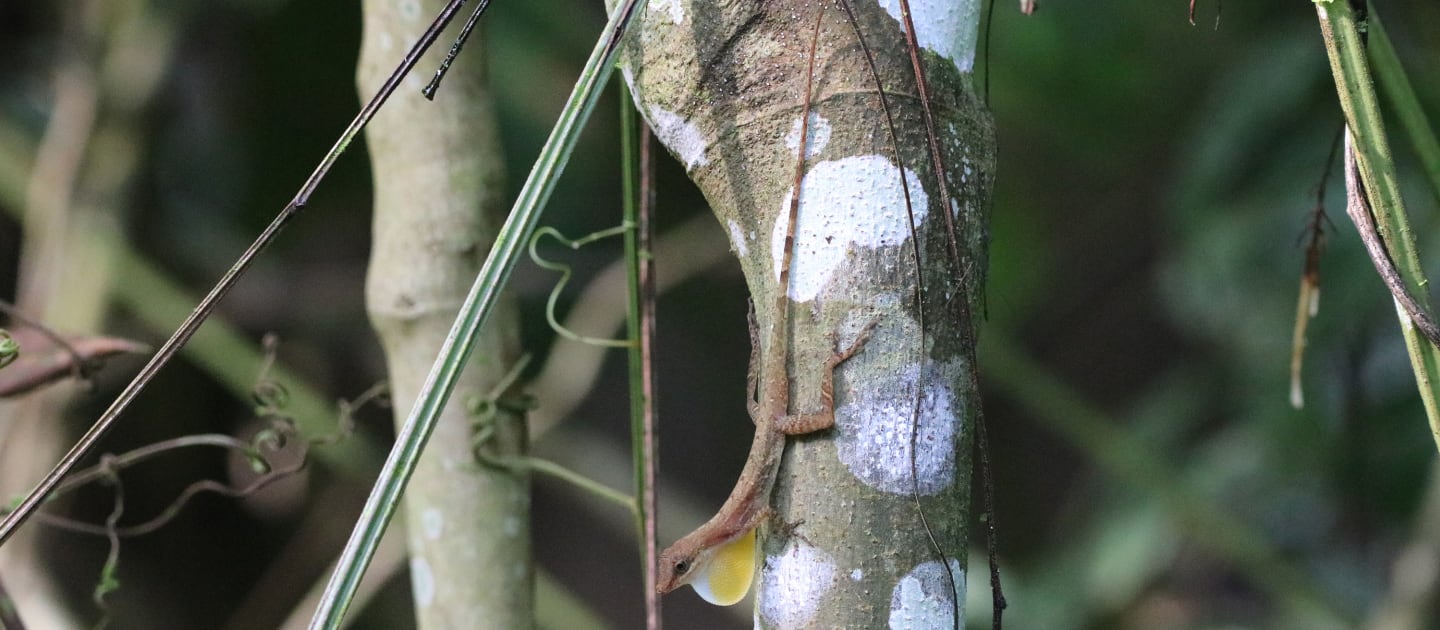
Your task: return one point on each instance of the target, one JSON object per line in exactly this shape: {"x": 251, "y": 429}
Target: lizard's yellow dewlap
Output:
{"x": 727, "y": 578}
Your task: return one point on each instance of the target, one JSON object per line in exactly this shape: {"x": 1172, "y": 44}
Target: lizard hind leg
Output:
{"x": 801, "y": 424}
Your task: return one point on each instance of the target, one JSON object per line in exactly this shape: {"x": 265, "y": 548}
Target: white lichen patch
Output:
{"x": 793, "y": 584}
{"x": 681, "y": 136}
{"x": 629, "y": 74}
{"x": 879, "y": 423}
{"x": 818, "y": 135}
{"x": 851, "y": 202}
{"x": 422, "y": 581}
{"x": 856, "y": 575}
{"x": 409, "y": 10}
{"x": 674, "y": 9}
{"x": 951, "y": 28}
{"x": 737, "y": 239}
{"x": 924, "y": 598}
{"x": 432, "y": 522}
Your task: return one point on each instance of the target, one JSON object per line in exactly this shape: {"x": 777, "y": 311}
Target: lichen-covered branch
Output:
{"x": 437, "y": 173}
{"x": 723, "y": 83}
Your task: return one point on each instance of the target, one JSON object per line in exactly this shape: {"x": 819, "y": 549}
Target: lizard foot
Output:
{"x": 786, "y": 529}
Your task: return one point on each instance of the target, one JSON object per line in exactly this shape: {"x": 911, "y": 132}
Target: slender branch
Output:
{"x": 639, "y": 192}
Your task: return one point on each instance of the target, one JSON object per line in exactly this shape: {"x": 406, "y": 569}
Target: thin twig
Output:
{"x": 937, "y": 159}
{"x": 78, "y": 368}
{"x": 650, "y": 440}
{"x": 429, "y": 91}
{"x": 1358, "y": 207}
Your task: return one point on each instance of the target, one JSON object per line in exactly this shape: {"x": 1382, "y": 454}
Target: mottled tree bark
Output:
{"x": 722, "y": 83}
{"x": 437, "y": 172}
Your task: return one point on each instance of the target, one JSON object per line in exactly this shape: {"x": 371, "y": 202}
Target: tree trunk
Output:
{"x": 437, "y": 174}
{"x": 723, "y": 83}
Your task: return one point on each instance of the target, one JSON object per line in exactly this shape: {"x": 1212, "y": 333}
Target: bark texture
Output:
{"x": 437, "y": 172}
{"x": 722, "y": 84}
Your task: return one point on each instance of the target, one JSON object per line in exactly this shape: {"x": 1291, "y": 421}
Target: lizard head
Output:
{"x": 719, "y": 573}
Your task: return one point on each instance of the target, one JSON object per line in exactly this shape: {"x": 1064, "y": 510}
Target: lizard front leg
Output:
{"x": 803, "y": 423}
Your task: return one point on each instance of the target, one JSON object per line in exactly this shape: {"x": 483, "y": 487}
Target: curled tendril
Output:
{"x": 270, "y": 397}
{"x": 484, "y": 408}
{"x": 565, "y": 271}
{"x": 274, "y": 437}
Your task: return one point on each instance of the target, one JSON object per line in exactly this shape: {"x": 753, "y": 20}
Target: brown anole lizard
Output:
{"x": 718, "y": 557}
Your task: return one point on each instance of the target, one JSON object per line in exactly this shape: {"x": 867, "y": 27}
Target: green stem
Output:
{"x": 1346, "y": 49}
{"x": 587, "y": 484}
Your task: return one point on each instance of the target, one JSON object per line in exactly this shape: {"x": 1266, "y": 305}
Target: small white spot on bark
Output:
{"x": 737, "y": 239}
{"x": 675, "y": 8}
{"x": 924, "y": 599}
{"x": 432, "y": 522}
{"x": 422, "y": 581}
{"x": 682, "y": 137}
{"x": 409, "y": 9}
{"x": 949, "y": 27}
{"x": 855, "y": 201}
{"x": 818, "y": 135}
{"x": 878, "y": 423}
{"x": 793, "y": 584}
{"x": 857, "y": 575}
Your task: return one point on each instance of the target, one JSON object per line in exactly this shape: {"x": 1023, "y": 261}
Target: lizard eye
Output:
{"x": 682, "y": 567}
